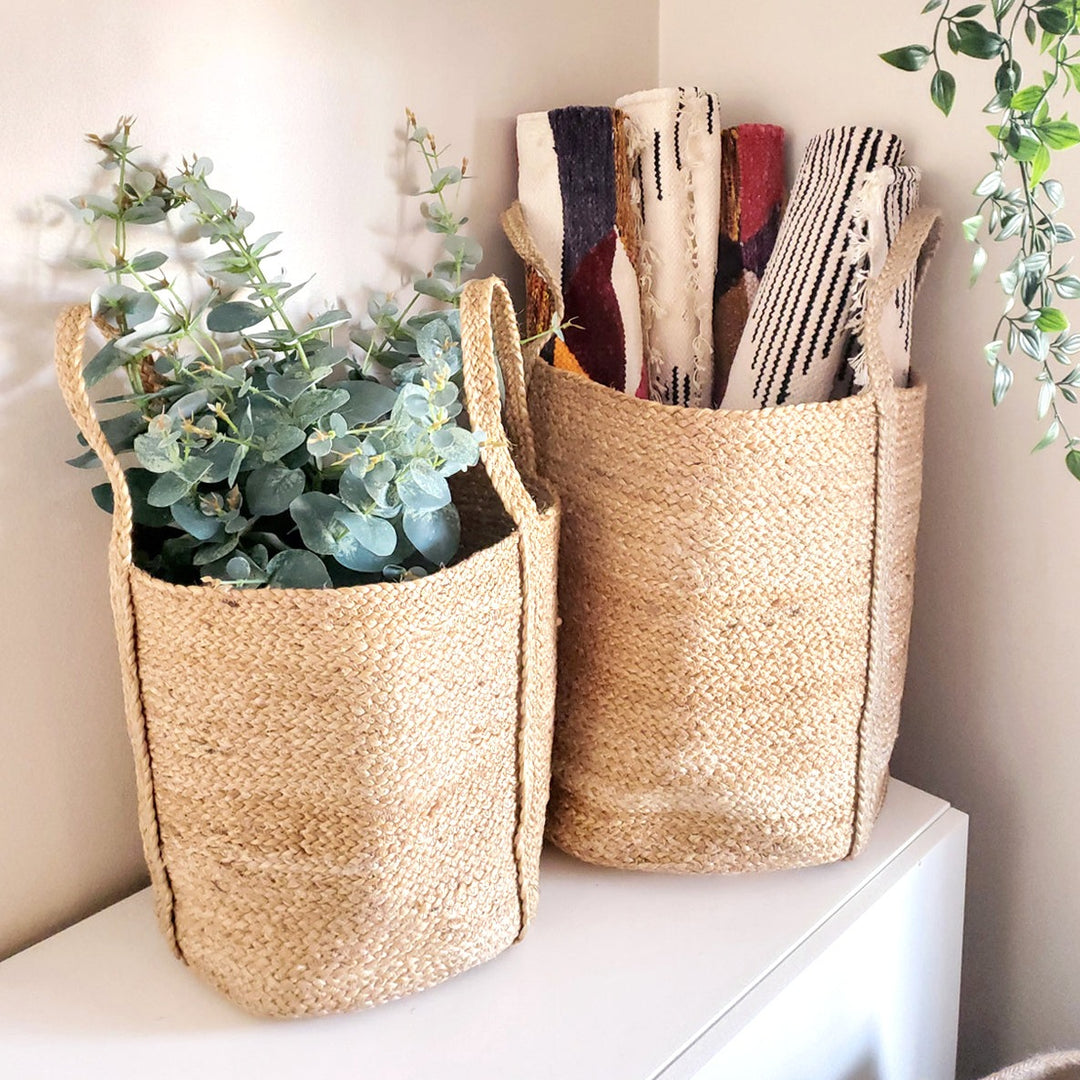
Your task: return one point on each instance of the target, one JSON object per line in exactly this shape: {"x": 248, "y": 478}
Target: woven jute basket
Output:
{"x": 341, "y": 792}
{"x": 736, "y": 590}
{"x": 1059, "y": 1065}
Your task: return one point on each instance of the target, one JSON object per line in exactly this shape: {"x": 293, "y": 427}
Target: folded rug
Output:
{"x": 574, "y": 186}
{"x": 796, "y": 337}
{"x": 751, "y": 203}
{"x": 679, "y": 178}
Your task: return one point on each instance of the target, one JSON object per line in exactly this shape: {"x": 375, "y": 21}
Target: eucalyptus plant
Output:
{"x": 270, "y": 450}
{"x": 1019, "y": 203}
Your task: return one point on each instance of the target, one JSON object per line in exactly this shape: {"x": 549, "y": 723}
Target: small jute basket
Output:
{"x": 1059, "y": 1065}
{"x": 736, "y": 590}
{"x": 341, "y": 792}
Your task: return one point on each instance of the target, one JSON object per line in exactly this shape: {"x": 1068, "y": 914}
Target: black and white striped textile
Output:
{"x": 798, "y": 333}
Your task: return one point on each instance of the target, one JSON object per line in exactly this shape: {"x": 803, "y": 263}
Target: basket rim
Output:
{"x": 705, "y": 414}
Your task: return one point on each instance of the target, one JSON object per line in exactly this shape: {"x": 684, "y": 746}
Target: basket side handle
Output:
{"x": 71, "y": 329}
{"x": 490, "y": 342}
{"x": 521, "y": 240}
{"x": 912, "y": 249}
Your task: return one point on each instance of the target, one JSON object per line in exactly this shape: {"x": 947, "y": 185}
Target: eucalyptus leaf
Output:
{"x": 271, "y": 488}
{"x": 235, "y": 316}
{"x": 436, "y": 534}
{"x": 297, "y": 569}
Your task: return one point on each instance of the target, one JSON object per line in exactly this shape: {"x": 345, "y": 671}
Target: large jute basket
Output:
{"x": 735, "y": 589}
{"x": 341, "y": 792}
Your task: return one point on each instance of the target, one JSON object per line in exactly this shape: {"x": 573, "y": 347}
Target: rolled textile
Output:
{"x": 751, "y": 204}
{"x": 881, "y": 206}
{"x": 679, "y": 177}
{"x": 574, "y": 185}
{"x": 796, "y": 337}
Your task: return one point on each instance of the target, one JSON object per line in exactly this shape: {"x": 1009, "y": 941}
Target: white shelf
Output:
{"x": 622, "y": 976}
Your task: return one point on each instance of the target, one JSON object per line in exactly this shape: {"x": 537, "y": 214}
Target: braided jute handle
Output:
{"x": 489, "y": 340}
{"x": 71, "y": 329}
{"x": 911, "y": 250}
{"x": 521, "y": 240}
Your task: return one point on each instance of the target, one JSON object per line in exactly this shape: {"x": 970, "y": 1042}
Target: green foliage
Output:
{"x": 266, "y": 453}
{"x": 1019, "y": 203}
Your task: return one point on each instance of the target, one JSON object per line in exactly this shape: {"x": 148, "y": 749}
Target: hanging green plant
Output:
{"x": 268, "y": 452}
{"x": 1018, "y": 201}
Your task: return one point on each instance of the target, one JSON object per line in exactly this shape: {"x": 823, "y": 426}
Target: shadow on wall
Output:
{"x": 60, "y": 801}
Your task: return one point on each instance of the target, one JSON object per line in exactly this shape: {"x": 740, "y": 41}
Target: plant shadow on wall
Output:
{"x": 269, "y": 452}
{"x": 1018, "y": 202}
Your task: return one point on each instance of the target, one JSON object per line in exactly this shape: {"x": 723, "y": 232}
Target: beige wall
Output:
{"x": 991, "y": 717}
{"x": 300, "y": 104}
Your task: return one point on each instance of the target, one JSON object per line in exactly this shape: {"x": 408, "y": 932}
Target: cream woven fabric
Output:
{"x": 679, "y": 132}
{"x": 735, "y": 591}
{"x": 342, "y": 791}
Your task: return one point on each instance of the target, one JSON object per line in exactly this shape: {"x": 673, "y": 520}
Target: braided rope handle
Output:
{"x": 911, "y": 250}
{"x": 521, "y": 240}
{"x": 71, "y": 329}
{"x": 489, "y": 341}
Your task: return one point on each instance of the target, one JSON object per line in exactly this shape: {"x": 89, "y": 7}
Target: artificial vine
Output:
{"x": 1018, "y": 201}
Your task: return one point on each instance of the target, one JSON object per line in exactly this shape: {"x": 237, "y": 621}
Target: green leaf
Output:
{"x": 316, "y": 403}
{"x": 1003, "y": 378}
{"x": 322, "y": 520}
{"x": 1052, "y": 320}
{"x": 194, "y": 522}
{"x": 973, "y": 39}
{"x": 148, "y": 260}
{"x": 295, "y": 569}
{"x": 1007, "y": 77}
{"x": 281, "y": 440}
{"x": 436, "y": 534}
{"x": 212, "y": 552}
{"x": 375, "y": 533}
{"x": 327, "y": 319}
{"x": 1059, "y": 134}
{"x": 1052, "y": 432}
{"x": 1039, "y": 164}
{"x": 1030, "y": 28}
{"x": 932, "y": 5}
{"x": 1072, "y": 462}
{"x": 978, "y": 264}
{"x": 420, "y": 487}
{"x": 1054, "y": 192}
{"x": 102, "y": 495}
{"x": 436, "y": 287}
{"x": 971, "y": 227}
{"x": 271, "y": 488}
{"x": 368, "y": 402}
{"x": 1068, "y": 287}
{"x": 943, "y": 91}
{"x": 232, "y": 317}
{"x": 108, "y": 358}
{"x": 1054, "y": 21}
{"x": 1025, "y": 100}
{"x": 167, "y": 489}
{"x": 909, "y": 58}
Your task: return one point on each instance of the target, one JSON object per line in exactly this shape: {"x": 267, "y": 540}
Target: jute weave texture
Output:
{"x": 342, "y": 791}
{"x": 736, "y": 592}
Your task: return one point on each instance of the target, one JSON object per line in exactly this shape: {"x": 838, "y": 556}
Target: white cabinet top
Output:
{"x": 619, "y": 976}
